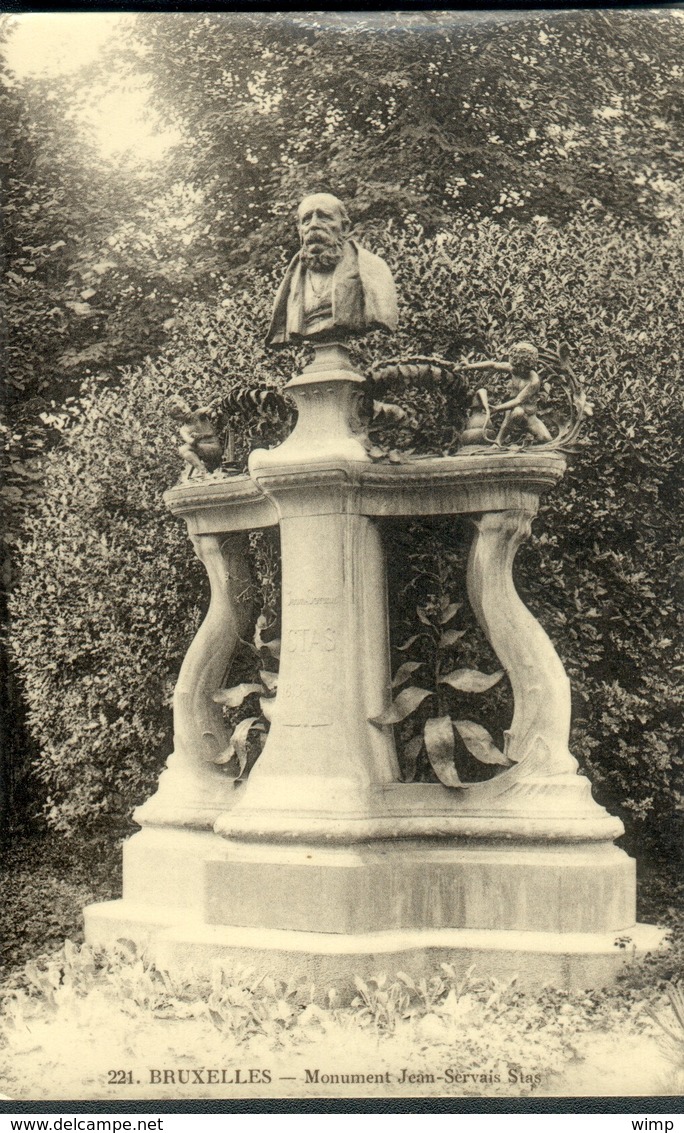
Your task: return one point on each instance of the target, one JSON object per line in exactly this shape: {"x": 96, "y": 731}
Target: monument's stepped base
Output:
{"x": 328, "y": 914}
{"x": 177, "y": 940}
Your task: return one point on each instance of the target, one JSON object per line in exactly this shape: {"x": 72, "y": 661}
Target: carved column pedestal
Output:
{"x": 323, "y": 862}
{"x": 323, "y": 760}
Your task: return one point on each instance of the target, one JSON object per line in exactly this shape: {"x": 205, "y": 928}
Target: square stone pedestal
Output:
{"x": 559, "y": 914}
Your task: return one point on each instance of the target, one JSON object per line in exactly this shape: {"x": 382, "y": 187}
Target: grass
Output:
{"x": 86, "y": 1024}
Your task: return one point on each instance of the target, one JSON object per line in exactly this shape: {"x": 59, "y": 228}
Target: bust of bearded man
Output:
{"x": 333, "y": 288}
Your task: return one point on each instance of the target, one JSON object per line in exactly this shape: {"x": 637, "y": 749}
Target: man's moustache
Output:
{"x": 320, "y": 236}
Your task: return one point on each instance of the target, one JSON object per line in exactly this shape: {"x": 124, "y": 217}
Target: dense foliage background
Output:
{"x": 523, "y": 179}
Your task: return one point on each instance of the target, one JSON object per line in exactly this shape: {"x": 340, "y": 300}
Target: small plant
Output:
{"x": 245, "y": 1005}
{"x": 381, "y": 1003}
{"x": 673, "y": 1032}
{"x": 427, "y": 993}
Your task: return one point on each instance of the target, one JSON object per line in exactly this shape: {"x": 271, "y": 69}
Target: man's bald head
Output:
{"x": 326, "y": 205}
{"x": 323, "y": 226}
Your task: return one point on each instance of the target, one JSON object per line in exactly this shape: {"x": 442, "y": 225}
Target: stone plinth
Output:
{"x": 323, "y": 862}
{"x": 421, "y": 885}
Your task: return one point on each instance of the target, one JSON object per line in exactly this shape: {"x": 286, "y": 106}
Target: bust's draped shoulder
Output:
{"x": 380, "y": 294}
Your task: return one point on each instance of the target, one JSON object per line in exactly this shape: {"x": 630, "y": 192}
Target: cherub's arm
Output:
{"x": 529, "y": 390}
{"x": 486, "y": 366}
{"x": 188, "y": 434}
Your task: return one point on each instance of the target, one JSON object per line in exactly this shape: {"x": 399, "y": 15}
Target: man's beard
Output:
{"x": 321, "y": 249}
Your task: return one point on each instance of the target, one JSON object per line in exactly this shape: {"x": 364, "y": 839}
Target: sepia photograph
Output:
{"x": 341, "y": 554}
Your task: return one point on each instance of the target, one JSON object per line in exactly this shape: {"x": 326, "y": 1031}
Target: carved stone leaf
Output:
{"x": 233, "y": 697}
{"x": 410, "y": 758}
{"x": 272, "y": 646}
{"x": 440, "y": 746}
{"x": 471, "y": 680}
{"x": 480, "y": 744}
{"x": 267, "y": 704}
{"x": 406, "y": 703}
{"x": 448, "y": 612}
{"x": 238, "y": 744}
{"x": 407, "y": 644}
{"x": 422, "y": 615}
{"x": 225, "y": 757}
{"x": 450, "y": 637}
{"x": 508, "y": 743}
{"x": 260, "y": 625}
{"x": 404, "y": 672}
{"x": 270, "y": 680}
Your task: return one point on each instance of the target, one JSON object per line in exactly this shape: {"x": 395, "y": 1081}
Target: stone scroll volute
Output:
{"x": 537, "y": 740}
{"x": 193, "y": 790}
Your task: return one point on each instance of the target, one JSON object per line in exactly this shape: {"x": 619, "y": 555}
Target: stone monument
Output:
{"x": 322, "y": 860}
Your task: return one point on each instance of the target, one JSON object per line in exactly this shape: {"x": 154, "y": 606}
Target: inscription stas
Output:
{"x": 311, "y": 640}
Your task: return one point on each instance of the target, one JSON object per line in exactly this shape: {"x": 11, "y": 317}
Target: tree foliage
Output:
{"x": 93, "y": 264}
{"x": 100, "y": 647}
{"x": 429, "y": 113}
{"x": 89, "y": 280}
